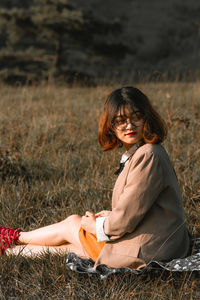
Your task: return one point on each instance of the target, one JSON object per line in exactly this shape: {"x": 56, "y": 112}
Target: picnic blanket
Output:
{"x": 188, "y": 264}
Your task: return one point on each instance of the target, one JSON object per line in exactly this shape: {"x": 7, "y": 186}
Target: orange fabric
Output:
{"x": 90, "y": 244}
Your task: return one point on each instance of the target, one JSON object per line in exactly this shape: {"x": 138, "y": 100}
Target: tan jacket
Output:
{"x": 147, "y": 221}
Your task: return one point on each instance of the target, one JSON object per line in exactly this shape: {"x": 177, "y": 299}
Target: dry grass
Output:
{"x": 51, "y": 166}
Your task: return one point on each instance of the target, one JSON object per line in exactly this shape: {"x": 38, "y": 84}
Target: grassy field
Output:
{"x": 51, "y": 166}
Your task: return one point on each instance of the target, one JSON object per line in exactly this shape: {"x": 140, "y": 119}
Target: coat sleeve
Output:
{"x": 144, "y": 183}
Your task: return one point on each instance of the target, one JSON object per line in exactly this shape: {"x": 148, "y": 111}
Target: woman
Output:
{"x": 147, "y": 219}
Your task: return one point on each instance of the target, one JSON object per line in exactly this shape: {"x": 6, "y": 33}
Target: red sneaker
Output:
{"x": 8, "y": 237}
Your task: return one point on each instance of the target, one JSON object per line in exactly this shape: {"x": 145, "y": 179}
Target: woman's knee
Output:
{"x": 72, "y": 219}
{"x": 70, "y": 229}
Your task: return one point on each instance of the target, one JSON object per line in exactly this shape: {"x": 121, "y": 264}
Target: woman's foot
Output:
{"x": 8, "y": 238}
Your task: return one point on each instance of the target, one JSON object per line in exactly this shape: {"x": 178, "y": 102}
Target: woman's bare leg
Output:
{"x": 35, "y": 250}
{"x": 56, "y": 234}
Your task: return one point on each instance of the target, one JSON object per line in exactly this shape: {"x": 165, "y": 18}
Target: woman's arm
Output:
{"x": 144, "y": 183}
{"x": 103, "y": 213}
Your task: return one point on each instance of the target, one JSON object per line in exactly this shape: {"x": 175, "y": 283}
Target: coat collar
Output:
{"x": 130, "y": 152}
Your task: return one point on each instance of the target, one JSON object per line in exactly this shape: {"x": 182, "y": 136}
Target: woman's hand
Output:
{"x": 103, "y": 213}
{"x": 88, "y": 222}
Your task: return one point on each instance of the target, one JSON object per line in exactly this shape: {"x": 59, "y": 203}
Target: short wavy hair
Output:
{"x": 154, "y": 130}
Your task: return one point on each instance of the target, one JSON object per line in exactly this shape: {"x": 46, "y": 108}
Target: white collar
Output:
{"x": 130, "y": 152}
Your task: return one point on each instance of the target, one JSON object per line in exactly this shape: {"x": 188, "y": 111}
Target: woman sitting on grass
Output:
{"x": 147, "y": 219}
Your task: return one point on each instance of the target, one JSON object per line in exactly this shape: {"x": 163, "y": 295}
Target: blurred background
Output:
{"x": 92, "y": 41}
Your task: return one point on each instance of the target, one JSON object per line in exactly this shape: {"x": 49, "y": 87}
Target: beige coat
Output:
{"x": 147, "y": 221}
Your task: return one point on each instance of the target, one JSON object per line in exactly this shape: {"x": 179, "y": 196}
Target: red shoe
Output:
{"x": 8, "y": 237}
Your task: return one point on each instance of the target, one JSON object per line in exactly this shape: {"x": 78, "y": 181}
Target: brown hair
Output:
{"x": 154, "y": 130}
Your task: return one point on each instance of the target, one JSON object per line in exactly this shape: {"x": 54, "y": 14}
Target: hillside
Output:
{"x": 87, "y": 40}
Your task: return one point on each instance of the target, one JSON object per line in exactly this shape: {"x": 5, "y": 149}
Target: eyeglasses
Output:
{"x": 121, "y": 122}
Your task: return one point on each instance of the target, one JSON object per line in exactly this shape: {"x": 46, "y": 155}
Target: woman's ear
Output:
{"x": 111, "y": 131}
{"x": 118, "y": 141}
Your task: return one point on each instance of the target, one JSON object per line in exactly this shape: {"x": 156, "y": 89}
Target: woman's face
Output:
{"x": 128, "y": 127}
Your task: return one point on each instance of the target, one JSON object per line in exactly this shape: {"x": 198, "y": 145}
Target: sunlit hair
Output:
{"x": 154, "y": 130}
